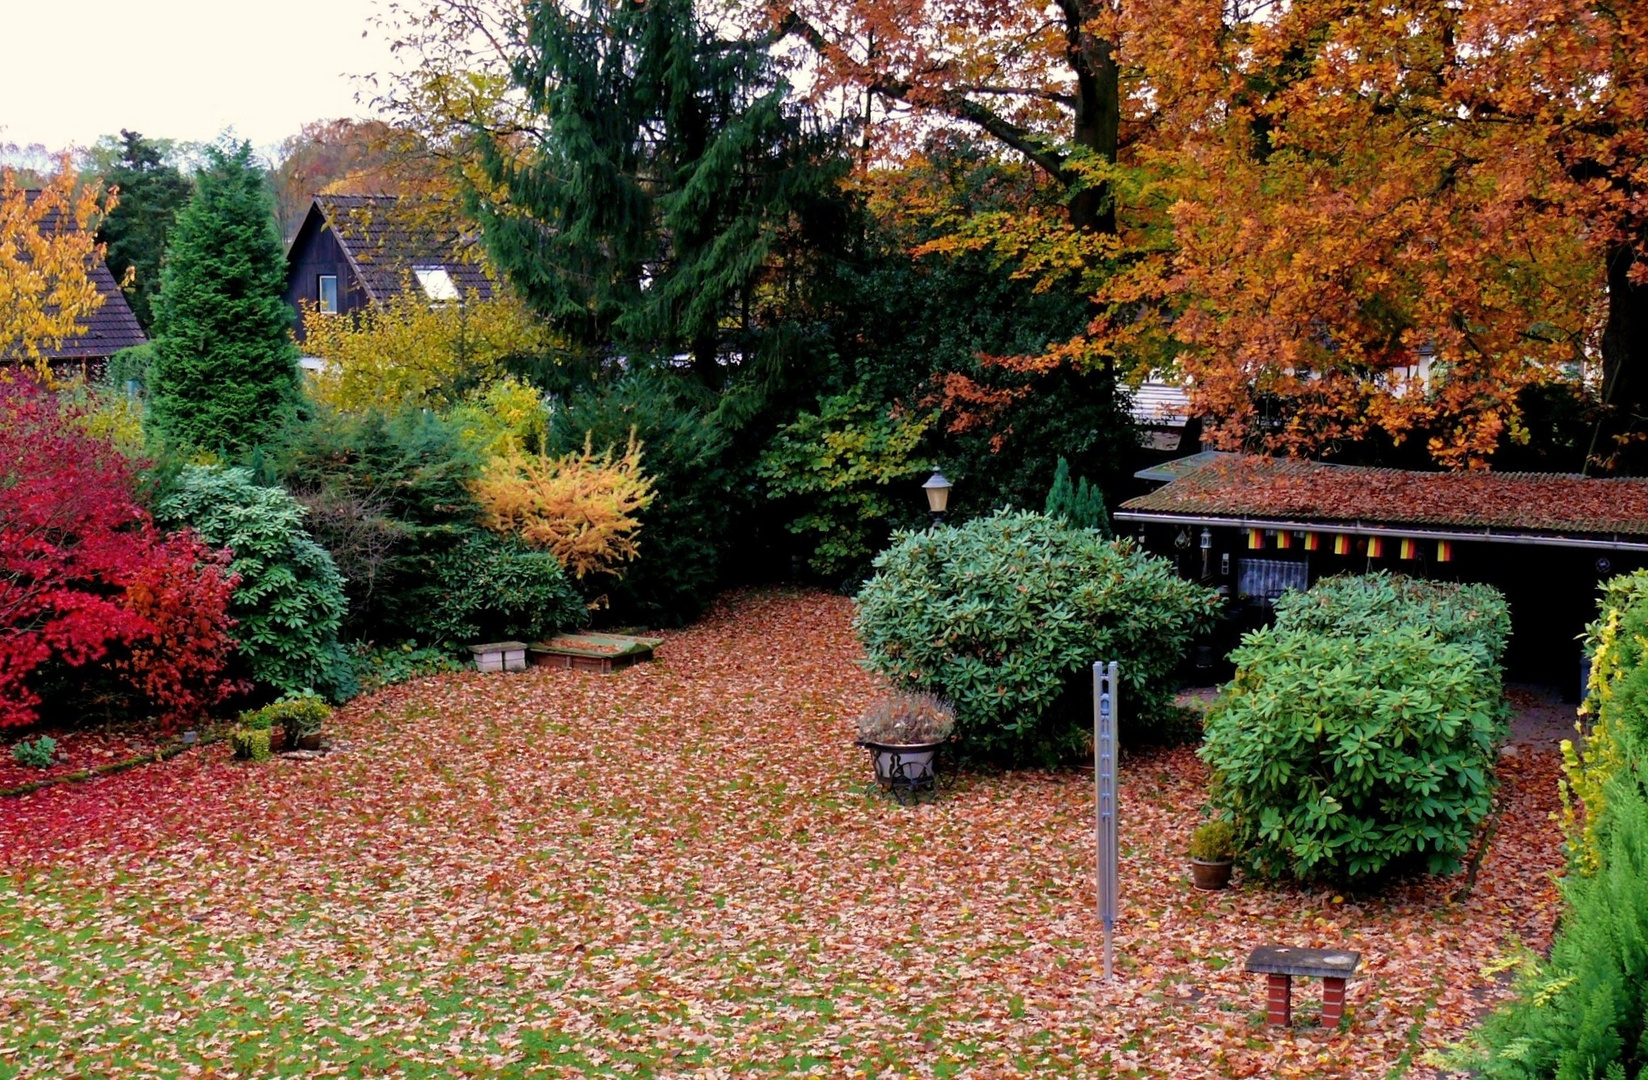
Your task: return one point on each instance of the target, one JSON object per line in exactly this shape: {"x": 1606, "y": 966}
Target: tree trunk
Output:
{"x": 1625, "y": 341}
{"x": 706, "y": 359}
{"x": 1098, "y": 115}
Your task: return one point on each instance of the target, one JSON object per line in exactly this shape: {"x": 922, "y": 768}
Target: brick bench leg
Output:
{"x": 1333, "y": 1001}
{"x": 1279, "y": 1000}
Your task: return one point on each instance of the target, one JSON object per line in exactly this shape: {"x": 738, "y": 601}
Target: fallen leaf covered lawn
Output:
{"x": 675, "y": 871}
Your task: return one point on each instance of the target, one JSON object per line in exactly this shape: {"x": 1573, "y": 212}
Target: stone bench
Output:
{"x": 1281, "y": 963}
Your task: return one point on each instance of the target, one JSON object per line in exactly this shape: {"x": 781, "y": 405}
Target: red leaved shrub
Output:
{"x": 86, "y": 578}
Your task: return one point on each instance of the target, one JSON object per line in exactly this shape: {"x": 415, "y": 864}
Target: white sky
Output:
{"x": 180, "y": 69}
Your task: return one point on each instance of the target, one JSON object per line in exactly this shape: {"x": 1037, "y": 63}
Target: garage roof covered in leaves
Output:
{"x": 1246, "y": 487}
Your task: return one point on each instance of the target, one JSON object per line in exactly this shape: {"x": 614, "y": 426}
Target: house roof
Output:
{"x": 103, "y": 332}
{"x": 387, "y": 239}
{"x": 1262, "y": 489}
{"x": 1158, "y": 403}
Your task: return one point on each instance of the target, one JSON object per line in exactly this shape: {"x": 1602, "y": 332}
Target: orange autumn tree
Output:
{"x": 48, "y": 248}
{"x": 1064, "y": 88}
{"x": 1355, "y": 253}
{"x": 1314, "y": 212}
{"x": 1572, "y": 77}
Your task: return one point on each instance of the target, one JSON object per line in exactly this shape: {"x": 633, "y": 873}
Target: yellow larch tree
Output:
{"x": 584, "y": 508}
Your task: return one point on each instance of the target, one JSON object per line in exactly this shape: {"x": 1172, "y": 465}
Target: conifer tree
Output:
{"x": 225, "y": 371}
{"x": 1079, "y": 502}
{"x": 668, "y": 174}
{"x": 1584, "y": 1012}
{"x": 151, "y": 194}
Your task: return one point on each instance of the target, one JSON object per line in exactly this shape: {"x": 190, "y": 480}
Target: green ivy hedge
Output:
{"x": 1005, "y": 615}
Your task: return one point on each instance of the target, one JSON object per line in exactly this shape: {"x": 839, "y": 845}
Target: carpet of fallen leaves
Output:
{"x": 676, "y": 870}
{"x": 77, "y": 749}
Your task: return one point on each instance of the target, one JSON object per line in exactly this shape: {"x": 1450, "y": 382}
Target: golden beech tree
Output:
{"x": 1571, "y": 77}
{"x": 1353, "y": 251}
{"x": 48, "y": 249}
{"x": 583, "y": 508}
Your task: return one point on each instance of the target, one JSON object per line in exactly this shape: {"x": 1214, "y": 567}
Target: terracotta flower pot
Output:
{"x": 1210, "y": 875}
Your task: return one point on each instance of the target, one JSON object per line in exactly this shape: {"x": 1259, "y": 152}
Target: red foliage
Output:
{"x": 84, "y": 575}
{"x": 183, "y": 594}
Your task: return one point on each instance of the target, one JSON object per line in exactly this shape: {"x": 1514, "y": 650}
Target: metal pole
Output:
{"x": 1104, "y": 789}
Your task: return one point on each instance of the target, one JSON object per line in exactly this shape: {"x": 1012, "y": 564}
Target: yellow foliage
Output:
{"x": 1587, "y": 769}
{"x": 507, "y": 415}
{"x": 107, "y": 414}
{"x": 45, "y": 274}
{"x": 413, "y": 352}
{"x": 580, "y": 507}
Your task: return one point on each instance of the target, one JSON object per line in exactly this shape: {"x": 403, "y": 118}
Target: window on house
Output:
{"x": 436, "y": 283}
{"x": 1265, "y": 580}
{"x": 326, "y": 289}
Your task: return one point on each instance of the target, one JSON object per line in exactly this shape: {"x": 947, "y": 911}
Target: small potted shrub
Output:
{"x": 1212, "y": 853}
{"x": 249, "y": 738}
{"x": 301, "y": 718}
{"x": 904, "y": 732}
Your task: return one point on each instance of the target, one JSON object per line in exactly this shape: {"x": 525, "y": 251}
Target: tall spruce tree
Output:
{"x": 669, "y": 173}
{"x": 152, "y": 193}
{"x": 225, "y": 371}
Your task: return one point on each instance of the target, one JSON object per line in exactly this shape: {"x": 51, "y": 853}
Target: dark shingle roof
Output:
{"x": 387, "y": 237}
{"x": 107, "y": 330}
{"x": 1276, "y": 489}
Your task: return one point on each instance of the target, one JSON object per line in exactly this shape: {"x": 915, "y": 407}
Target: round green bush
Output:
{"x": 289, "y": 602}
{"x": 1004, "y": 617}
{"x": 1343, "y": 757}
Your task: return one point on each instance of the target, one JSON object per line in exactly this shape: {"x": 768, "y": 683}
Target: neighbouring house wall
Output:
{"x": 315, "y": 252}
{"x": 1552, "y": 591}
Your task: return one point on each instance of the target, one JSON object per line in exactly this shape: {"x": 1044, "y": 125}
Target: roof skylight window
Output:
{"x": 436, "y": 283}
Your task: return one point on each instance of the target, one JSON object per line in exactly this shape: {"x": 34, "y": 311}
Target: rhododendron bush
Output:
{"x": 86, "y": 578}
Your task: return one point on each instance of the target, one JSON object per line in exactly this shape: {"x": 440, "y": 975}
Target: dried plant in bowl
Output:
{"x": 907, "y": 719}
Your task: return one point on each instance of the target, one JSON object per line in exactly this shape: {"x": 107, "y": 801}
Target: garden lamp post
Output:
{"x": 938, "y": 495}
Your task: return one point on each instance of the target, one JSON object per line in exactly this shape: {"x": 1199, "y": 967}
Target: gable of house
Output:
{"x": 375, "y": 246}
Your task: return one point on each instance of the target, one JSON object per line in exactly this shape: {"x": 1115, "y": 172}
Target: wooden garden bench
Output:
{"x": 1281, "y": 963}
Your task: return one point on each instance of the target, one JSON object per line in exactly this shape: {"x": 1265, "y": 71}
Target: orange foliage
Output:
{"x": 1332, "y": 220}
{"x": 1352, "y": 252}
{"x": 580, "y": 507}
